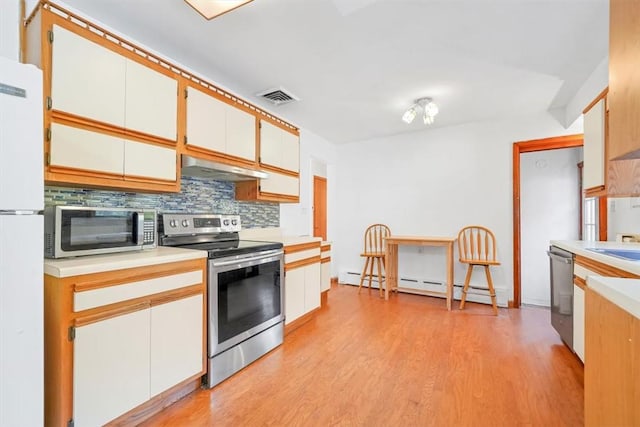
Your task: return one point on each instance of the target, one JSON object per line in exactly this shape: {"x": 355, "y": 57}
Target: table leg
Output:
{"x": 449, "y": 275}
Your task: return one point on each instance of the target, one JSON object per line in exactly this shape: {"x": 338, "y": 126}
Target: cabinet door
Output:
{"x": 325, "y": 276}
{"x": 81, "y": 149}
{"x": 280, "y": 184}
{"x": 110, "y": 368}
{"x": 151, "y": 101}
{"x": 312, "y": 287}
{"x": 241, "y": 134}
{"x": 87, "y": 79}
{"x": 149, "y": 161}
{"x": 294, "y": 290}
{"x": 578, "y": 321}
{"x": 176, "y": 342}
{"x": 290, "y": 151}
{"x": 270, "y": 144}
{"x": 206, "y": 118}
{"x": 594, "y": 146}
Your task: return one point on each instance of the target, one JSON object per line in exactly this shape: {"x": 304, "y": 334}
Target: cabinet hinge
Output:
{"x": 70, "y": 423}
{"x": 48, "y": 159}
{"x": 50, "y": 36}
{"x": 186, "y": 94}
{"x": 185, "y": 139}
{"x": 48, "y": 134}
{"x": 259, "y": 188}
{"x": 72, "y": 333}
{"x": 49, "y": 103}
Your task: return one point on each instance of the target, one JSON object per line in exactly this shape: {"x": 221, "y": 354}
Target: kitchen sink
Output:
{"x": 626, "y": 254}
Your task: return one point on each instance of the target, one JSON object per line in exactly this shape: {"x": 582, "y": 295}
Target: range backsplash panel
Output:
{"x": 196, "y": 195}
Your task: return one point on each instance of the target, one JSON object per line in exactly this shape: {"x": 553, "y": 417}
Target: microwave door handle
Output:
{"x": 139, "y": 231}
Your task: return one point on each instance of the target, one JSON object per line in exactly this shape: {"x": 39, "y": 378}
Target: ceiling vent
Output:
{"x": 277, "y": 96}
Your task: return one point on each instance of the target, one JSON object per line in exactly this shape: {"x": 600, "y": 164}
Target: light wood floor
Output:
{"x": 403, "y": 362}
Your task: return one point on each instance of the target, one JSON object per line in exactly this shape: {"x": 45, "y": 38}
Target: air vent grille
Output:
{"x": 278, "y": 96}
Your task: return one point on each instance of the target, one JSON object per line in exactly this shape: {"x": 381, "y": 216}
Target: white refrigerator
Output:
{"x": 21, "y": 246}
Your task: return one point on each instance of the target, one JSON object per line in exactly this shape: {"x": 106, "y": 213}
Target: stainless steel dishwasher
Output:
{"x": 561, "y": 263}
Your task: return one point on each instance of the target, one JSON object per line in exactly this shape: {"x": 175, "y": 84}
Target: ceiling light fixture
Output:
{"x": 212, "y": 8}
{"x": 428, "y": 107}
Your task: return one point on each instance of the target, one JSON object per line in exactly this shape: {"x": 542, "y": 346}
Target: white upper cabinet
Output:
{"x": 280, "y": 184}
{"x": 91, "y": 81}
{"x": 279, "y": 148}
{"x": 81, "y": 149}
{"x": 151, "y": 101}
{"x": 87, "y": 79}
{"x": 217, "y": 126}
{"x": 205, "y": 121}
{"x": 149, "y": 161}
{"x": 594, "y": 140}
{"x": 241, "y": 134}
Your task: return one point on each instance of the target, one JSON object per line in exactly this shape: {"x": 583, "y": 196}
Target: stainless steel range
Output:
{"x": 245, "y": 289}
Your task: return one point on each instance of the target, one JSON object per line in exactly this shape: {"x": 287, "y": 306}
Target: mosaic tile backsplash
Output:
{"x": 196, "y": 195}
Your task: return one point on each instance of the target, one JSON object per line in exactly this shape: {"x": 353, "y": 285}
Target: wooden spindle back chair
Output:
{"x": 477, "y": 246}
{"x": 374, "y": 254}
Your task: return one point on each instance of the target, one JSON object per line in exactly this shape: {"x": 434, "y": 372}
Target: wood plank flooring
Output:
{"x": 404, "y": 362}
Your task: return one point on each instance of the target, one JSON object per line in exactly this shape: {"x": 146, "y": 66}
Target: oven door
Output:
{"x": 245, "y": 297}
{"x": 88, "y": 231}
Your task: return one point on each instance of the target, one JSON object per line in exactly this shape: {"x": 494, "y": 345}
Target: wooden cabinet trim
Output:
{"x": 600, "y": 96}
{"x": 580, "y": 282}
{"x": 99, "y": 314}
{"x": 301, "y": 247}
{"x": 325, "y": 260}
{"x": 325, "y": 248}
{"x": 302, "y": 263}
{"x": 603, "y": 269}
{"x": 269, "y": 168}
{"x": 203, "y": 153}
{"x": 597, "y": 191}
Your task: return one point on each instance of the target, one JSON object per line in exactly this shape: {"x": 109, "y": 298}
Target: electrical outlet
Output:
{"x": 420, "y": 250}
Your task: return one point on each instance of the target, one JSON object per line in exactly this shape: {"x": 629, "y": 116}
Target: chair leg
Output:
{"x": 364, "y": 272}
{"x": 492, "y": 291}
{"x": 371, "y": 263}
{"x": 467, "y": 279}
{"x": 380, "y": 291}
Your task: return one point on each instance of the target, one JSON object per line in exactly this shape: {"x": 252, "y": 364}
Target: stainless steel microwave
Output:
{"x": 76, "y": 230}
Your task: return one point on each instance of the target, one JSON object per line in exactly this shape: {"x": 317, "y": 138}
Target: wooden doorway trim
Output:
{"x": 320, "y": 207}
{"x": 569, "y": 141}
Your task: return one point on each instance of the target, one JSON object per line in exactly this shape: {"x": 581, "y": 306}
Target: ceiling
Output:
{"x": 356, "y": 65}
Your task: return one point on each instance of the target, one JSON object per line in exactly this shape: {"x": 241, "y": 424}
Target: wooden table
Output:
{"x": 391, "y": 255}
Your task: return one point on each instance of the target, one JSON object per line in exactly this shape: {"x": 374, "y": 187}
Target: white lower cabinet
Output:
{"x": 176, "y": 342}
{"x": 110, "y": 368}
{"x": 325, "y": 276}
{"x": 302, "y": 291}
{"x": 578, "y": 321}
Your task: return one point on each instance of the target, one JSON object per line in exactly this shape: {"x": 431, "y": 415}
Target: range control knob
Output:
{"x": 185, "y": 222}
{"x": 234, "y": 222}
{"x": 173, "y": 223}
{"x": 225, "y": 222}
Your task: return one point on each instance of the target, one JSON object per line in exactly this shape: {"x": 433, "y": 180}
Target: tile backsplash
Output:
{"x": 196, "y": 195}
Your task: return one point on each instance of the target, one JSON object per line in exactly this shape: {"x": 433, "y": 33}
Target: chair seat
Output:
{"x": 373, "y": 254}
{"x": 479, "y": 262}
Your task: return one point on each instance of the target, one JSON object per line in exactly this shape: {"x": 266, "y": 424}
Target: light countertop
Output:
{"x": 579, "y": 247}
{"x": 67, "y": 267}
{"x": 625, "y": 293}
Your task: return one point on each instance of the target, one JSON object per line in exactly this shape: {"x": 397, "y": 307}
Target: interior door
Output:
{"x": 320, "y": 207}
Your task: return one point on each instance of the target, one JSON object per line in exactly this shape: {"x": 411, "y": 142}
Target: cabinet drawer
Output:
{"x": 108, "y": 295}
{"x": 297, "y": 256}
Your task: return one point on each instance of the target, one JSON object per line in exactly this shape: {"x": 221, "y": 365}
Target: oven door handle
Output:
{"x": 253, "y": 260}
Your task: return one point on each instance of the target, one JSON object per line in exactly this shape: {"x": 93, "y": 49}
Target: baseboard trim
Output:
{"x": 158, "y": 403}
{"x": 300, "y": 321}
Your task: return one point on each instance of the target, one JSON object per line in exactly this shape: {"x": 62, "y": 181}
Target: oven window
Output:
{"x": 84, "y": 230}
{"x": 247, "y": 297}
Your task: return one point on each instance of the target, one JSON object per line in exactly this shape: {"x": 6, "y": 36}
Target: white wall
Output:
{"x": 550, "y": 210}
{"x": 433, "y": 182}
{"x": 623, "y": 216}
{"x": 10, "y": 29}
{"x": 595, "y": 83}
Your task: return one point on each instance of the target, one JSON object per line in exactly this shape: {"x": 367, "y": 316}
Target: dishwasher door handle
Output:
{"x": 559, "y": 258}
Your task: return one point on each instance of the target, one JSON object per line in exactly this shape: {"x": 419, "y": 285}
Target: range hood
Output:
{"x": 192, "y": 166}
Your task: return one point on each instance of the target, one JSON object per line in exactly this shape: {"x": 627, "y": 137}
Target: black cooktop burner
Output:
{"x": 222, "y": 249}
